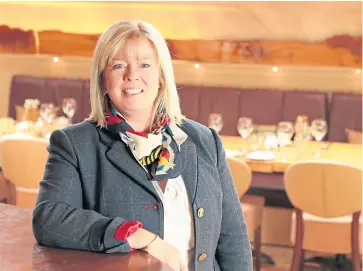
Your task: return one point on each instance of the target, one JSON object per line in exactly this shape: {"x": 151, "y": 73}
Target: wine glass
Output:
{"x": 69, "y": 106}
{"x": 48, "y": 112}
{"x": 215, "y": 121}
{"x": 319, "y": 128}
{"x": 245, "y": 129}
{"x": 285, "y": 131}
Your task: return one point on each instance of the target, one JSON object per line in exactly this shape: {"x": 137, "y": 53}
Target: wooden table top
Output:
{"x": 20, "y": 251}
{"x": 346, "y": 153}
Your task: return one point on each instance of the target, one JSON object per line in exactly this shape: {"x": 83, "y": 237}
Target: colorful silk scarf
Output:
{"x": 157, "y": 151}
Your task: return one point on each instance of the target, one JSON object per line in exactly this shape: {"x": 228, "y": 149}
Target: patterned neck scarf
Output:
{"x": 157, "y": 151}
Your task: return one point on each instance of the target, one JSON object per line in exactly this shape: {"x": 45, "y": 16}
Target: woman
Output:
{"x": 137, "y": 175}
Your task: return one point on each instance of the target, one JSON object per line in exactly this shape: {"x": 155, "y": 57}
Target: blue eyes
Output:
{"x": 120, "y": 66}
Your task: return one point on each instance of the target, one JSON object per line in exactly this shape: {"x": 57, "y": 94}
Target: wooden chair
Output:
{"x": 23, "y": 162}
{"x": 327, "y": 197}
{"x": 252, "y": 206}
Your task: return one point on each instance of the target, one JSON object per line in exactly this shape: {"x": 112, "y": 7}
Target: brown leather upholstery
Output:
{"x": 220, "y": 100}
{"x": 189, "y": 101}
{"x": 345, "y": 113}
{"x": 69, "y": 88}
{"x": 312, "y": 104}
{"x": 27, "y": 87}
{"x": 266, "y": 107}
{"x": 263, "y": 106}
{"x": 50, "y": 90}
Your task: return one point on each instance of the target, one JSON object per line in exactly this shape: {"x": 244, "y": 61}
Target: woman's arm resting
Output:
{"x": 58, "y": 218}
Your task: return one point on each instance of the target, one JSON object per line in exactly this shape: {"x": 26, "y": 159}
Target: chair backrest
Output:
{"x": 324, "y": 189}
{"x": 23, "y": 163}
{"x": 241, "y": 174}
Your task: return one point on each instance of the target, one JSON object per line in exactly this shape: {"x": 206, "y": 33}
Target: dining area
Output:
{"x": 262, "y": 159}
{"x": 281, "y": 97}
{"x": 313, "y": 175}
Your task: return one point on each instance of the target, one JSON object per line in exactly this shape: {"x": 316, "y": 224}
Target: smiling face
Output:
{"x": 132, "y": 78}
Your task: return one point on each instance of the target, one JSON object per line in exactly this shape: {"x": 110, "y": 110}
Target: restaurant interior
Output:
{"x": 281, "y": 82}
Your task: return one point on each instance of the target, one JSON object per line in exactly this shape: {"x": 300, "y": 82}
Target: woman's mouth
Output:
{"x": 132, "y": 91}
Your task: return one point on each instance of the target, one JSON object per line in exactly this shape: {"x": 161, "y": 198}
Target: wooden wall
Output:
{"x": 341, "y": 50}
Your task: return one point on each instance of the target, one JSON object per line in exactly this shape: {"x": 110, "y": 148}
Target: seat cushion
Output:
{"x": 327, "y": 235}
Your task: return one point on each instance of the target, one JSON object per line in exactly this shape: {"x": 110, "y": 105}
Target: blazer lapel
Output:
{"x": 190, "y": 172}
{"x": 121, "y": 157}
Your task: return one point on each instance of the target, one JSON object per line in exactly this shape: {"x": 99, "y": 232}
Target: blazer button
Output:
{"x": 200, "y": 212}
{"x": 202, "y": 257}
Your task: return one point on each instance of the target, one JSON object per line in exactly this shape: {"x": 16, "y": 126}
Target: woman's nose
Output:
{"x": 131, "y": 74}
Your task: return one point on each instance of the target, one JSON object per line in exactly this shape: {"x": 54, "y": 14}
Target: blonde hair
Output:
{"x": 109, "y": 44}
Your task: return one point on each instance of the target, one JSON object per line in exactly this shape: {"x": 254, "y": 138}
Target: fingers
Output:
{"x": 183, "y": 267}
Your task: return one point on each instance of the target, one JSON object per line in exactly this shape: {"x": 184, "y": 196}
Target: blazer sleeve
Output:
{"x": 58, "y": 217}
{"x": 234, "y": 249}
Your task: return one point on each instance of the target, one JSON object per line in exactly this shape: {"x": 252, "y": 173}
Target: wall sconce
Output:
{"x": 55, "y": 59}
{"x": 358, "y": 71}
{"x": 275, "y": 68}
{"x": 196, "y": 66}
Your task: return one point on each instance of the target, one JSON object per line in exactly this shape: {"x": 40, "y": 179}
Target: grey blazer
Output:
{"x": 92, "y": 184}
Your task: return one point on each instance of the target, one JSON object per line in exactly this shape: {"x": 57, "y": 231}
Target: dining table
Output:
{"x": 268, "y": 165}
{"x": 346, "y": 153}
{"x": 19, "y": 251}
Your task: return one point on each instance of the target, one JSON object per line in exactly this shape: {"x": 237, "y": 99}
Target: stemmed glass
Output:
{"x": 48, "y": 112}
{"x": 215, "y": 121}
{"x": 69, "y": 106}
{"x": 285, "y": 131}
{"x": 245, "y": 129}
{"x": 319, "y": 128}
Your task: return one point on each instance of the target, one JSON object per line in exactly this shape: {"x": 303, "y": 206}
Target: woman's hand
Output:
{"x": 166, "y": 253}
{"x": 160, "y": 249}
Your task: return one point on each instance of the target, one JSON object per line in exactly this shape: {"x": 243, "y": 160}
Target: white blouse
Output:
{"x": 178, "y": 213}
{"x": 178, "y": 219}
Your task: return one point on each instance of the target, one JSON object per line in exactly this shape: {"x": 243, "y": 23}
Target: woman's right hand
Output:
{"x": 160, "y": 249}
{"x": 165, "y": 253}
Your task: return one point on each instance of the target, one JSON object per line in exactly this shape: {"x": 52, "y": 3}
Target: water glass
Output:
{"x": 215, "y": 121}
